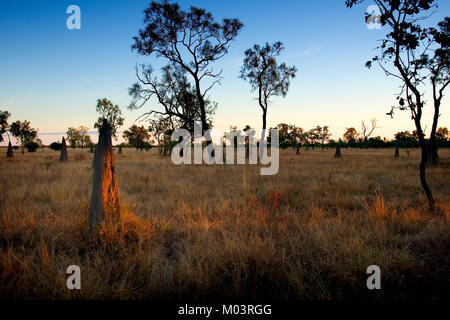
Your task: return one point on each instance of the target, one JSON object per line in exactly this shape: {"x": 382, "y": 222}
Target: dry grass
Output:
{"x": 212, "y": 232}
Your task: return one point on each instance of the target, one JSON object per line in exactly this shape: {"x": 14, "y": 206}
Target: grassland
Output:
{"x": 225, "y": 232}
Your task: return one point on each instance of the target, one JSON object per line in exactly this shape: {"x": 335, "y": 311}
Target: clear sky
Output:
{"x": 52, "y": 76}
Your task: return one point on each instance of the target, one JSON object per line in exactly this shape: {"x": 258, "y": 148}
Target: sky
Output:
{"x": 52, "y": 76}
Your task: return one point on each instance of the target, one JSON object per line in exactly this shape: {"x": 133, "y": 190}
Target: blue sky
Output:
{"x": 52, "y": 76}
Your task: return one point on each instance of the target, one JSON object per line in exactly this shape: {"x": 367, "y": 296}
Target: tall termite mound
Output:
{"x": 63, "y": 154}
{"x": 9, "y": 152}
{"x": 105, "y": 187}
{"x": 338, "y": 151}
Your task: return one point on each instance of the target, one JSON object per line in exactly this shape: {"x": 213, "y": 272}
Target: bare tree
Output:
{"x": 367, "y": 131}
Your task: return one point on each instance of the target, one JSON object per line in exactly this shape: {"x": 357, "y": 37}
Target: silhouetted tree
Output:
{"x": 351, "y": 136}
{"x": 367, "y": 131}
{"x": 158, "y": 127}
{"x": 323, "y": 135}
{"x": 266, "y": 76}
{"x": 111, "y": 113}
{"x": 402, "y": 48}
{"x": 192, "y": 40}
{"x": 442, "y": 136}
{"x": 439, "y": 67}
{"x": 314, "y": 136}
{"x": 298, "y": 137}
{"x": 173, "y": 92}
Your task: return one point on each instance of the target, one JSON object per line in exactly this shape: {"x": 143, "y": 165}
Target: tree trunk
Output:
{"x": 205, "y": 126}
{"x": 433, "y": 155}
{"x": 105, "y": 187}
{"x": 262, "y": 145}
{"x": 63, "y": 153}
{"x": 423, "y": 180}
{"x": 298, "y": 149}
{"x": 423, "y": 163}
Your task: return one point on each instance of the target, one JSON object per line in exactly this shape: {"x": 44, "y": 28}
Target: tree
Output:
{"x": 85, "y": 139}
{"x": 4, "y": 126}
{"x": 266, "y": 76}
{"x": 158, "y": 127}
{"x": 73, "y": 137}
{"x": 23, "y": 132}
{"x": 439, "y": 68}
{"x": 351, "y": 136}
{"x": 298, "y": 137}
{"x": 442, "y": 136}
{"x": 78, "y": 137}
{"x": 284, "y": 135}
{"x": 314, "y": 136}
{"x": 191, "y": 40}
{"x": 366, "y": 132}
{"x": 406, "y": 139}
{"x": 323, "y": 135}
{"x": 174, "y": 93}
{"x": 136, "y": 136}
{"x": 402, "y": 49}
{"x": 111, "y": 113}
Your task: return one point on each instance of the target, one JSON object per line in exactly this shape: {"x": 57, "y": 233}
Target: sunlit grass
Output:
{"x": 225, "y": 231}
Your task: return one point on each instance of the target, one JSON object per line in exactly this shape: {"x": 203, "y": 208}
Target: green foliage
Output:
{"x": 136, "y": 136}
{"x": 4, "y": 126}
{"x": 111, "y": 113}
{"x": 78, "y": 137}
{"x": 23, "y": 132}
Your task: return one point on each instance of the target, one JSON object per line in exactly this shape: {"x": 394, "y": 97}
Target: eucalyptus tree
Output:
{"x": 404, "y": 54}
{"x": 266, "y": 76}
{"x": 191, "y": 40}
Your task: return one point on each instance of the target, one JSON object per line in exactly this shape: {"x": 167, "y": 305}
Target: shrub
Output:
{"x": 31, "y": 146}
{"x": 55, "y": 146}
{"x": 146, "y": 146}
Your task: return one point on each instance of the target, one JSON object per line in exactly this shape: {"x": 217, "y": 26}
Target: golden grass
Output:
{"x": 212, "y": 232}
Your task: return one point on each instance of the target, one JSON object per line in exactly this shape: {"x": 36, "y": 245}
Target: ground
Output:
{"x": 225, "y": 232}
